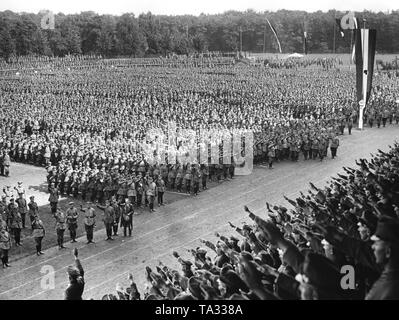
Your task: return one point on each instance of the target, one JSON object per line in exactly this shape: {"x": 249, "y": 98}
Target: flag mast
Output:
{"x": 362, "y": 103}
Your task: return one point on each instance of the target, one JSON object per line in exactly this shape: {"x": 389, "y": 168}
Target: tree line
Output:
{"x": 22, "y": 34}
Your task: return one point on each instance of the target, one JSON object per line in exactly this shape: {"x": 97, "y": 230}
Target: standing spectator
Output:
{"x": 334, "y": 146}
{"x": 22, "y": 208}
{"x": 89, "y": 222}
{"x": 161, "y": 190}
{"x": 33, "y": 209}
{"x": 15, "y": 221}
{"x": 6, "y": 163}
{"x": 38, "y": 234}
{"x": 60, "y": 226}
{"x": 53, "y": 199}
{"x": 72, "y": 221}
{"x": 108, "y": 218}
{"x": 5, "y": 246}
{"x": 127, "y": 218}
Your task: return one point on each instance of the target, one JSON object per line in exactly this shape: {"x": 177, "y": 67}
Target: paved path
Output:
{"x": 179, "y": 225}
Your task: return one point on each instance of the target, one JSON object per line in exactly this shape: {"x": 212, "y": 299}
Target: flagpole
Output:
{"x": 334, "y": 32}
{"x": 365, "y": 67}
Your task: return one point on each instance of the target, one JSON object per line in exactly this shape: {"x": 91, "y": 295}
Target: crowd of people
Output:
{"x": 352, "y": 224}
{"x": 102, "y": 129}
{"x": 93, "y": 117}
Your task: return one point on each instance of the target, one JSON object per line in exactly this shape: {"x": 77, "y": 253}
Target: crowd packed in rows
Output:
{"x": 352, "y": 224}
{"x": 102, "y": 119}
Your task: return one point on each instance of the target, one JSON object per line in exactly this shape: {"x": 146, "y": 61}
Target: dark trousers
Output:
{"x": 315, "y": 153}
{"x": 127, "y": 226}
{"x": 204, "y": 183}
{"x": 151, "y": 202}
{"x": 350, "y": 129}
{"x": 53, "y": 206}
{"x": 271, "y": 162}
{"x": 89, "y": 232}
{"x": 178, "y": 185}
{"x": 306, "y": 154}
{"x": 38, "y": 241}
{"x": 108, "y": 229}
{"x": 333, "y": 152}
{"x": 4, "y": 256}
{"x": 160, "y": 197}
{"x": 139, "y": 199}
{"x": 17, "y": 235}
{"x": 384, "y": 121}
{"x": 196, "y": 187}
{"x": 115, "y": 227}
{"x": 23, "y": 215}
{"x": 188, "y": 186}
{"x": 132, "y": 200}
{"x": 72, "y": 232}
{"x": 60, "y": 237}
{"x": 1, "y": 170}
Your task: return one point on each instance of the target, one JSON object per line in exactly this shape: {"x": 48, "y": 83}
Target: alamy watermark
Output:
{"x": 47, "y": 281}
{"x": 186, "y": 146}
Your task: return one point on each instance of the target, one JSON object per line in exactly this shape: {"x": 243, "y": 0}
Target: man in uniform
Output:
{"x": 89, "y": 222}
{"x": 33, "y": 209}
{"x": 20, "y": 189}
{"x": 204, "y": 175}
{"x": 196, "y": 180}
{"x": 72, "y": 221}
{"x": 271, "y": 153}
{"x": 151, "y": 191}
{"x": 15, "y": 221}
{"x": 1, "y": 163}
{"x": 117, "y": 212}
{"x": 127, "y": 218}
{"x": 6, "y": 163}
{"x": 53, "y": 199}
{"x": 161, "y": 190}
{"x": 334, "y": 146}
{"x": 5, "y": 246}
{"x": 108, "y": 218}
{"x": 350, "y": 124}
{"x": 306, "y": 148}
{"x": 22, "y": 208}
{"x": 60, "y": 226}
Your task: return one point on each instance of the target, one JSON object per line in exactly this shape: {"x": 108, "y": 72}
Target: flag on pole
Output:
{"x": 275, "y": 34}
{"x": 356, "y": 26}
{"x": 305, "y": 42}
{"x": 365, "y": 53}
{"x": 365, "y": 41}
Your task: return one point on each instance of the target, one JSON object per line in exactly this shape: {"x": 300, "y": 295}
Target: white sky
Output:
{"x": 177, "y": 7}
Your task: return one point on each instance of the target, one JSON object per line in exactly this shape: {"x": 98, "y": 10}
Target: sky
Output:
{"x": 178, "y": 7}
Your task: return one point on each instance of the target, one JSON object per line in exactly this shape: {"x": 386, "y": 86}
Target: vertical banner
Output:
{"x": 365, "y": 41}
